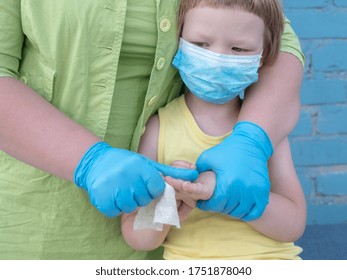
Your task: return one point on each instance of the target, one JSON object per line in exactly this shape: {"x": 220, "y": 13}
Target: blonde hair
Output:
{"x": 270, "y": 11}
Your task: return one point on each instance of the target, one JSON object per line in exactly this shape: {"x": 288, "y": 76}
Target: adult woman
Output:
{"x": 105, "y": 68}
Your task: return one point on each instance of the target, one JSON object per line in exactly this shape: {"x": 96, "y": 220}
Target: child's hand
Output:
{"x": 175, "y": 183}
{"x": 190, "y": 192}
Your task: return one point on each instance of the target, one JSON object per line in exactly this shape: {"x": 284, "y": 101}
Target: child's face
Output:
{"x": 224, "y": 30}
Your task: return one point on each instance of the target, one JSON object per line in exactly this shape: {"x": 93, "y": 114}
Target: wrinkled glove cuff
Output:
{"x": 256, "y": 134}
{"x": 86, "y": 162}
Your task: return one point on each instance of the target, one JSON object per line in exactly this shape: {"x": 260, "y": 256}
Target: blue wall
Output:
{"x": 319, "y": 142}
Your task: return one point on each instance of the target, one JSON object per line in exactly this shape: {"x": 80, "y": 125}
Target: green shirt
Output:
{"x": 135, "y": 65}
{"x": 72, "y": 52}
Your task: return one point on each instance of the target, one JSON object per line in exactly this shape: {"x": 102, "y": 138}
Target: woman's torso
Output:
{"x": 70, "y": 57}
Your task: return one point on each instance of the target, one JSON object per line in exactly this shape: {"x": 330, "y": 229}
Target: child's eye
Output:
{"x": 236, "y": 49}
{"x": 201, "y": 44}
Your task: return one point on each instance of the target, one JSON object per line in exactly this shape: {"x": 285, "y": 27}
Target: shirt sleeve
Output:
{"x": 11, "y": 38}
{"x": 290, "y": 42}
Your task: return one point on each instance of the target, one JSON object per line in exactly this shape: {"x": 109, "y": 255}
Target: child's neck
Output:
{"x": 213, "y": 119}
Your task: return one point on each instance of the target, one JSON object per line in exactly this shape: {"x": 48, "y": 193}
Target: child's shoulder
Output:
{"x": 174, "y": 111}
{"x": 175, "y": 104}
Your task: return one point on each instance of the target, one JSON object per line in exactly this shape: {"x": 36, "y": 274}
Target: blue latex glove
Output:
{"x": 240, "y": 163}
{"x": 119, "y": 180}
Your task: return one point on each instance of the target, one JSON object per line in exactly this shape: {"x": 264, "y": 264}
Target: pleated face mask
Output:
{"x": 213, "y": 77}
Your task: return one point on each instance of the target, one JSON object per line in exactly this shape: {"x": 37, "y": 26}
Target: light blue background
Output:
{"x": 319, "y": 141}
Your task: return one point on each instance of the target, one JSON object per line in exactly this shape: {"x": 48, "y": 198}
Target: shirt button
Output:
{"x": 152, "y": 100}
{"x": 165, "y": 25}
{"x": 24, "y": 79}
{"x": 160, "y": 63}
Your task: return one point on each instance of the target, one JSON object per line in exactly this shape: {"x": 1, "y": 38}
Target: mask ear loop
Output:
{"x": 261, "y": 59}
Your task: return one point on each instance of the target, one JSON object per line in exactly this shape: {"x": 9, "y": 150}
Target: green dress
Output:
{"x": 107, "y": 65}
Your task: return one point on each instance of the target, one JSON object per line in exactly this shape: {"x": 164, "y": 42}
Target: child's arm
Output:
{"x": 144, "y": 240}
{"x": 141, "y": 240}
{"x": 284, "y": 218}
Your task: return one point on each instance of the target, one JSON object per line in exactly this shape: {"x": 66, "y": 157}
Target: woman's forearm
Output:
{"x": 274, "y": 101}
{"x": 35, "y": 132}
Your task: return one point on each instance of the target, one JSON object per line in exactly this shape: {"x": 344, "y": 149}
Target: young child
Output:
{"x": 222, "y": 45}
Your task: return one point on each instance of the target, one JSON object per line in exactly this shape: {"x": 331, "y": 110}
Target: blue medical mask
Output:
{"x": 213, "y": 77}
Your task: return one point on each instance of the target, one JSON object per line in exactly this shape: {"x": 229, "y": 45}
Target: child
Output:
{"x": 222, "y": 45}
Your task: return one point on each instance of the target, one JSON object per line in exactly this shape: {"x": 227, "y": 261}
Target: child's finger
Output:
{"x": 192, "y": 188}
{"x": 183, "y": 164}
{"x": 177, "y": 184}
{"x": 197, "y": 191}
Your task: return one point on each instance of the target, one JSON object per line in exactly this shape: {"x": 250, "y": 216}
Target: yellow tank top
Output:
{"x": 207, "y": 235}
